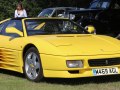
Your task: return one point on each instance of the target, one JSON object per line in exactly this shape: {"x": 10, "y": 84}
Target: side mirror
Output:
{"x": 90, "y": 29}
{"x": 14, "y": 30}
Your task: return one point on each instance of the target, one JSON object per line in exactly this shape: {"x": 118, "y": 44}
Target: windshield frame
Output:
{"x": 97, "y": 5}
{"x": 43, "y": 12}
{"x": 81, "y": 28}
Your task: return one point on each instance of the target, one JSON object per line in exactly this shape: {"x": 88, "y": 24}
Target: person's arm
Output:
{"x": 25, "y": 13}
{"x": 15, "y": 14}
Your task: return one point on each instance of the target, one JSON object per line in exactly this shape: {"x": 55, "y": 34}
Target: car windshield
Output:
{"x": 46, "y": 13}
{"x": 101, "y": 4}
{"x": 53, "y": 26}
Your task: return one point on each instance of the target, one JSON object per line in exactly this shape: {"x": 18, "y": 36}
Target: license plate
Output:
{"x": 105, "y": 71}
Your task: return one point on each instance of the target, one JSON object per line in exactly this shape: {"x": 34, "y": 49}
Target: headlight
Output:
{"x": 74, "y": 63}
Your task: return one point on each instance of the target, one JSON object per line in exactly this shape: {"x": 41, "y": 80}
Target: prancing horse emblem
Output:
{"x": 106, "y": 61}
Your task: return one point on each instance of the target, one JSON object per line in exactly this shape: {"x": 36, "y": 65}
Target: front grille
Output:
{"x": 104, "y": 62}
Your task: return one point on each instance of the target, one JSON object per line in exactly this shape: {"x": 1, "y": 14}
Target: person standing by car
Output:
{"x": 20, "y": 11}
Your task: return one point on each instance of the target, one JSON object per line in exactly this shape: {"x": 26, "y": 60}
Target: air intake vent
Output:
{"x": 104, "y": 62}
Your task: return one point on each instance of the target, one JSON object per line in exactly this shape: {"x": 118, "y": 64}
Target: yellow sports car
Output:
{"x": 57, "y": 48}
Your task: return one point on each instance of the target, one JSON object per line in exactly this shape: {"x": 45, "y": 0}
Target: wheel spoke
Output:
{"x": 29, "y": 56}
{"x": 37, "y": 65}
{"x": 29, "y": 70}
{"x": 34, "y": 57}
{"x": 34, "y": 73}
{"x": 29, "y": 61}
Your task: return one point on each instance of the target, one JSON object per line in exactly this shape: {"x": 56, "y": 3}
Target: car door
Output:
{"x": 10, "y": 49}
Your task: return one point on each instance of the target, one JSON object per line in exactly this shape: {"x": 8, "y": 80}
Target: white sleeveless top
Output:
{"x": 22, "y": 14}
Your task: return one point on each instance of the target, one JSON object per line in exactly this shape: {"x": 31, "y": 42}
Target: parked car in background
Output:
{"x": 57, "y": 12}
{"x": 104, "y": 15}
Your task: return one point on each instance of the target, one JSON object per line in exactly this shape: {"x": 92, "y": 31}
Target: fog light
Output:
{"x": 74, "y": 63}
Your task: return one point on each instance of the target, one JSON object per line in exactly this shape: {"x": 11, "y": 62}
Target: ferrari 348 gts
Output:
{"x": 56, "y": 48}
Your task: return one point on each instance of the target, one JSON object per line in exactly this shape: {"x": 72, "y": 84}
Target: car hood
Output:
{"x": 83, "y": 44}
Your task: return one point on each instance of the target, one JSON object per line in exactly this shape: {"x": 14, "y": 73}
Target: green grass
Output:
{"x": 14, "y": 81}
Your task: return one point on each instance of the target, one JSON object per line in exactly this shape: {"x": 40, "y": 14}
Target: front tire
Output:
{"x": 32, "y": 65}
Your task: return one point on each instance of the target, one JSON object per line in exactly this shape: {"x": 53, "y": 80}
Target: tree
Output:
{"x": 33, "y": 7}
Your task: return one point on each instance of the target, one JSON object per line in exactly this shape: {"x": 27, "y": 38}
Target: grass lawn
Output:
{"x": 14, "y": 81}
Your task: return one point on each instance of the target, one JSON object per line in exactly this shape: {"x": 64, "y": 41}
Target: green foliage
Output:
{"x": 7, "y": 8}
{"x": 33, "y": 7}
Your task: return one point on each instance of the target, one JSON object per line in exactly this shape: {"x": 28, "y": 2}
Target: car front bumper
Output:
{"x": 66, "y": 74}
{"x": 55, "y": 66}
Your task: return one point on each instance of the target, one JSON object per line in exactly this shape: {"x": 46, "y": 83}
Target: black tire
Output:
{"x": 39, "y": 71}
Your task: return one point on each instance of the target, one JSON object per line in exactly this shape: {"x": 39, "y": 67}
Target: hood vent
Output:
{"x": 65, "y": 36}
